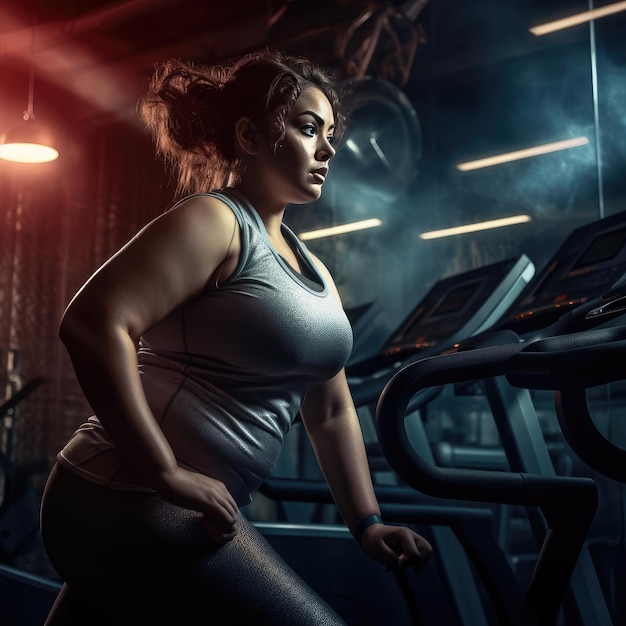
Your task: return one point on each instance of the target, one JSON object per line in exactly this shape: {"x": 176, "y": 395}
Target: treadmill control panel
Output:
{"x": 589, "y": 262}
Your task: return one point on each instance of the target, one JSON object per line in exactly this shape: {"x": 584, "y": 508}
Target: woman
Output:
{"x": 196, "y": 345}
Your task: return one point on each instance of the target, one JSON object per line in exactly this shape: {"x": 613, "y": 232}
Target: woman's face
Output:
{"x": 297, "y": 168}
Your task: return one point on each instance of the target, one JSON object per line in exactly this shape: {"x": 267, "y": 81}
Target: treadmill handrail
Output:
{"x": 436, "y": 371}
{"x": 567, "y": 363}
{"x": 581, "y": 433}
{"x": 581, "y": 359}
{"x": 571, "y": 361}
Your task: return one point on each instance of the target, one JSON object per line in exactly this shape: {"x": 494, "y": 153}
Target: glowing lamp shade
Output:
{"x": 28, "y": 142}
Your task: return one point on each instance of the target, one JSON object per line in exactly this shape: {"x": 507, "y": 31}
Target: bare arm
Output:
{"x": 332, "y": 424}
{"x": 166, "y": 264}
{"x": 333, "y": 427}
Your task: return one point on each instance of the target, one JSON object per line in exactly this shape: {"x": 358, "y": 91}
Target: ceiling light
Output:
{"x": 579, "y": 18}
{"x": 471, "y": 228}
{"x": 28, "y": 142}
{"x": 340, "y": 230}
{"x": 522, "y": 154}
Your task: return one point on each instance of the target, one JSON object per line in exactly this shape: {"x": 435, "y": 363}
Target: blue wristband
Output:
{"x": 364, "y": 524}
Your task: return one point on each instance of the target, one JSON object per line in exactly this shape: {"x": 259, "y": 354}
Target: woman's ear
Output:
{"x": 245, "y": 135}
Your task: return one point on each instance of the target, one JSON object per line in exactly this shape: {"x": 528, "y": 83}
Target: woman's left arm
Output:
{"x": 333, "y": 427}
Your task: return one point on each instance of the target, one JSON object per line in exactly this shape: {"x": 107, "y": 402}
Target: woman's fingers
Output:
{"x": 221, "y": 532}
{"x": 198, "y": 492}
{"x": 415, "y": 550}
{"x": 396, "y": 546}
{"x": 219, "y": 501}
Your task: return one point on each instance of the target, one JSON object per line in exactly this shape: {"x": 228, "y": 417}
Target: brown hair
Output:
{"x": 190, "y": 111}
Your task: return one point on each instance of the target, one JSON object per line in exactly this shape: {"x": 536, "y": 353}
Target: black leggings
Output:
{"x": 131, "y": 558}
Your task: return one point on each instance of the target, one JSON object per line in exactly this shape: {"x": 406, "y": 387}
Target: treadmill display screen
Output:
{"x": 455, "y": 299}
{"x": 454, "y": 307}
{"x": 603, "y": 248}
{"x": 589, "y": 262}
{"x": 446, "y": 308}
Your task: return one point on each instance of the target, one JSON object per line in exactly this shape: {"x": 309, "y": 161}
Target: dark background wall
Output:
{"x": 60, "y": 221}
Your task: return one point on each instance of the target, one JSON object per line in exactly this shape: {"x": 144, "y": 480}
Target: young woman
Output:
{"x": 196, "y": 345}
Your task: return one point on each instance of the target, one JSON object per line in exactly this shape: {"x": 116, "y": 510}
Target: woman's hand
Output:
{"x": 395, "y": 546}
{"x": 209, "y": 496}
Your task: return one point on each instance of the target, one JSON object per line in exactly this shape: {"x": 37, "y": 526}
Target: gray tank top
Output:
{"x": 227, "y": 373}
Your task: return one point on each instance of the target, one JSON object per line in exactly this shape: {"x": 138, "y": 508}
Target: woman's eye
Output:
{"x": 309, "y": 130}
{"x": 331, "y": 139}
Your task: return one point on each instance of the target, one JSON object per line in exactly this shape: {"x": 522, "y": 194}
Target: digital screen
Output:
{"x": 602, "y": 248}
{"x": 455, "y": 300}
{"x": 592, "y": 258}
{"x": 450, "y": 304}
{"x": 425, "y": 321}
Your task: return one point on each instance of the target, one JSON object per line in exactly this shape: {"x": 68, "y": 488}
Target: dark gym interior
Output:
{"x": 487, "y": 141}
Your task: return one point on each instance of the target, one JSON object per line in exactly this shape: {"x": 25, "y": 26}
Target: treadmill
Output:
{"x": 455, "y": 308}
{"x": 581, "y": 285}
{"x": 589, "y": 265}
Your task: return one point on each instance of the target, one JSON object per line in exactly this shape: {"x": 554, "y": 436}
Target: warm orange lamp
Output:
{"x": 29, "y": 141}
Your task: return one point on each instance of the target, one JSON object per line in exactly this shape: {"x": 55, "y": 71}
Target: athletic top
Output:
{"x": 226, "y": 374}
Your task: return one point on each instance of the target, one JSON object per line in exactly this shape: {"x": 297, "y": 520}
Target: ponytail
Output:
{"x": 190, "y": 111}
{"x": 181, "y": 110}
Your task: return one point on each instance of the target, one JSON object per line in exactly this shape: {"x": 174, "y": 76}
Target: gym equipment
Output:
{"x": 19, "y": 503}
{"x": 25, "y": 599}
{"x": 455, "y": 308}
{"x": 581, "y": 288}
{"x": 567, "y": 503}
{"x": 448, "y": 591}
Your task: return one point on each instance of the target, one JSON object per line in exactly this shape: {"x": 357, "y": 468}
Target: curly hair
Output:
{"x": 191, "y": 110}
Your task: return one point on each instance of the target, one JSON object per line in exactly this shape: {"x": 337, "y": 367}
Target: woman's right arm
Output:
{"x": 166, "y": 264}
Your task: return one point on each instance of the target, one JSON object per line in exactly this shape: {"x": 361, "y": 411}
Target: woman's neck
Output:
{"x": 269, "y": 210}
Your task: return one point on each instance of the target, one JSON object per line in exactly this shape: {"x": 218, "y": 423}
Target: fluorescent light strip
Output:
{"x": 579, "y": 18}
{"x": 522, "y": 154}
{"x": 471, "y": 228}
{"x": 340, "y": 230}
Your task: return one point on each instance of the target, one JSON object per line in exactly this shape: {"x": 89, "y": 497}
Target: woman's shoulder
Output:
{"x": 211, "y": 202}
{"x": 193, "y": 222}
{"x": 201, "y": 209}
